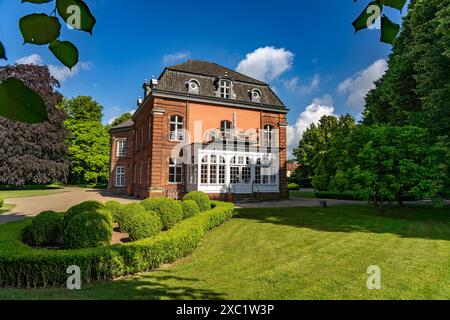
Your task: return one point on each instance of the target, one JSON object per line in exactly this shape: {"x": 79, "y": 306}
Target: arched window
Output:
{"x": 175, "y": 171}
{"x": 269, "y": 134}
{"x": 176, "y": 128}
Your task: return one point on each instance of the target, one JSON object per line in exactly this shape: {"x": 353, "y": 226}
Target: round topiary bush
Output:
{"x": 127, "y": 212}
{"x": 200, "y": 198}
{"x": 88, "y": 229}
{"x": 82, "y": 207}
{"x": 190, "y": 208}
{"x": 144, "y": 225}
{"x": 293, "y": 186}
{"x": 45, "y": 229}
{"x": 115, "y": 208}
{"x": 169, "y": 210}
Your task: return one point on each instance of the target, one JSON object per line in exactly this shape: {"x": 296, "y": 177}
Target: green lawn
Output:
{"x": 301, "y": 194}
{"x": 6, "y": 208}
{"x": 304, "y": 253}
{"x": 29, "y": 191}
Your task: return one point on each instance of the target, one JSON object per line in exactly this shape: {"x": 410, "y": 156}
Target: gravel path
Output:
{"x": 32, "y": 206}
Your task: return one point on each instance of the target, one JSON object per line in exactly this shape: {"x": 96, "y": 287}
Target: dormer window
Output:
{"x": 193, "y": 86}
{"x": 255, "y": 95}
{"x": 225, "y": 89}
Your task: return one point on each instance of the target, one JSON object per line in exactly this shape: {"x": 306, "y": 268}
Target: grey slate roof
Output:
{"x": 174, "y": 79}
{"x": 123, "y": 125}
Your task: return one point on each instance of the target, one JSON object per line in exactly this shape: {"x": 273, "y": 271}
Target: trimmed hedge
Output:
{"x": 2, "y": 202}
{"x": 293, "y": 187}
{"x": 80, "y": 208}
{"x": 46, "y": 229}
{"x": 190, "y": 208}
{"x": 89, "y": 229}
{"x": 169, "y": 210}
{"x": 201, "y": 198}
{"x": 115, "y": 208}
{"x": 125, "y": 218}
{"x": 24, "y": 267}
{"x": 144, "y": 225}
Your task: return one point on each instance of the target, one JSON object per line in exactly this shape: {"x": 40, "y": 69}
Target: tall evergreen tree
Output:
{"x": 34, "y": 154}
{"x": 416, "y": 88}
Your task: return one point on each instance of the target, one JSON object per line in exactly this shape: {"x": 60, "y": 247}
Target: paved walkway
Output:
{"x": 32, "y": 206}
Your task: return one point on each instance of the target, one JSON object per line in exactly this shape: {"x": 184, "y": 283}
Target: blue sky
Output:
{"x": 308, "y": 51}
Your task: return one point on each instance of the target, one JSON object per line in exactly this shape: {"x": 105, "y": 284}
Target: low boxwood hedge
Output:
{"x": 46, "y": 229}
{"x": 22, "y": 266}
{"x": 80, "y": 208}
{"x": 202, "y": 199}
{"x": 89, "y": 229}
{"x": 115, "y": 208}
{"x": 169, "y": 210}
{"x": 144, "y": 225}
{"x": 190, "y": 208}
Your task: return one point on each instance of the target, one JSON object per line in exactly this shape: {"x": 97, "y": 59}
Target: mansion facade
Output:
{"x": 202, "y": 127}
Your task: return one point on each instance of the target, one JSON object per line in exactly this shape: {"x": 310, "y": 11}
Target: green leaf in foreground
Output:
{"x": 397, "y": 4}
{"x": 39, "y": 28}
{"x": 76, "y": 13}
{"x": 2, "y": 52}
{"x": 389, "y": 30}
{"x": 20, "y": 103}
{"x": 368, "y": 17}
{"x": 65, "y": 51}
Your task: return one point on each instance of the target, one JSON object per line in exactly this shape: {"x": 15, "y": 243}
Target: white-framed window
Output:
{"x": 122, "y": 148}
{"x": 269, "y": 134}
{"x": 120, "y": 177}
{"x": 176, "y": 128}
{"x": 175, "y": 171}
{"x": 213, "y": 170}
{"x": 265, "y": 172}
{"x": 225, "y": 89}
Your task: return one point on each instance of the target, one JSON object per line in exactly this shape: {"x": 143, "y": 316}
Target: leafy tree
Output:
{"x": 17, "y": 101}
{"x": 121, "y": 119}
{"x": 315, "y": 142}
{"x": 88, "y": 141}
{"x": 387, "y": 163}
{"x": 416, "y": 88}
{"x": 373, "y": 11}
{"x": 34, "y": 153}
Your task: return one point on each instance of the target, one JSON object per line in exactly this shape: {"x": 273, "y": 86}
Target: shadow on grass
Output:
{"x": 152, "y": 286}
{"x": 411, "y": 222}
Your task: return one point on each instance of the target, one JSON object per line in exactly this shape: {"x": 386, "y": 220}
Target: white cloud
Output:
{"x": 314, "y": 112}
{"x": 175, "y": 57}
{"x": 266, "y": 64}
{"x": 292, "y": 84}
{"x": 361, "y": 83}
{"x": 314, "y": 85}
{"x": 60, "y": 73}
{"x": 31, "y": 59}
